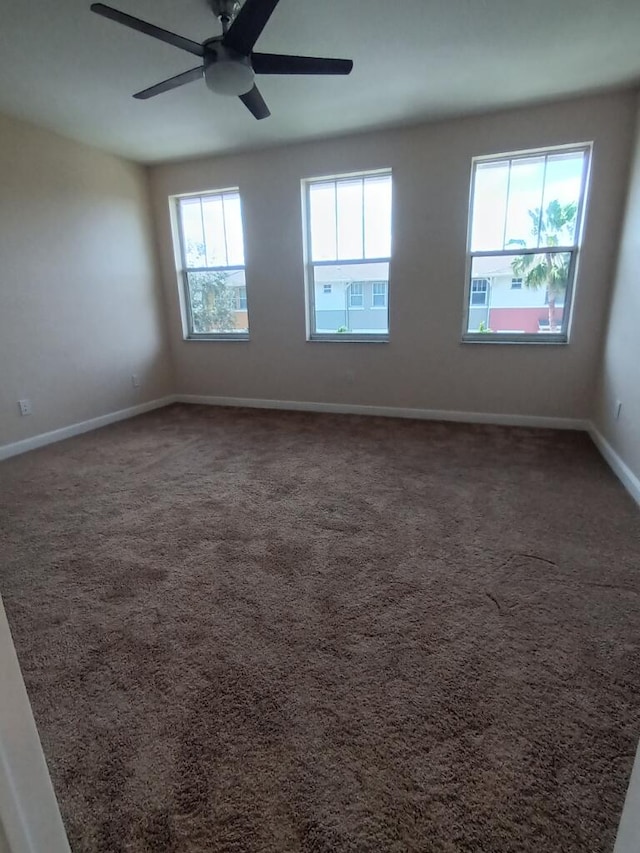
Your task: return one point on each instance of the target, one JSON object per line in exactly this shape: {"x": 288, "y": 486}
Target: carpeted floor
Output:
{"x": 265, "y": 632}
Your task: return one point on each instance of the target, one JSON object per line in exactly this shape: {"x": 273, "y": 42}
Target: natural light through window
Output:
{"x": 348, "y": 252}
{"x": 526, "y": 212}
{"x": 212, "y": 253}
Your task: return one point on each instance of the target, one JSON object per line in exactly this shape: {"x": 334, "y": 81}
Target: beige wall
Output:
{"x": 80, "y": 309}
{"x": 620, "y": 377}
{"x": 4, "y": 844}
{"x": 424, "y": 365}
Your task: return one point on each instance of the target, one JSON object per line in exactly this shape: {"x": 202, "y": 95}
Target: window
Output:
{"x": 479, "y": 291}
{"x": 241, "y": 298}
{"x": 379, "y": 294}
{"x": 356, "y": 294}
{"x": 524, "y": 235}
{"x": 348, "y": 250}
{"x": 212, "y": 253}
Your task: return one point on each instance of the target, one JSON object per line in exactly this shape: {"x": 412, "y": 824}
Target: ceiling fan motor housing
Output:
{"x": 227, "y": 72}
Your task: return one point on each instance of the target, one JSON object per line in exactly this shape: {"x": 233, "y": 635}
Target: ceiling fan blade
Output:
{"x": 171, "y": 83}
{"x": 273, "y": 63}
{"x": 254, "y": 102}
{"x": 248, "y": 24}
{"x": 148, "y": 29}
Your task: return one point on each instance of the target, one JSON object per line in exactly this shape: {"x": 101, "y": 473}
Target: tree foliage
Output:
{"x": 212, "y": 302}
{"x": 212, "y": 299}
{"x": 551, "y": 227}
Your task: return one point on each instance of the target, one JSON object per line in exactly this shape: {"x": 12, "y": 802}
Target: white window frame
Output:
{"x": 189, "y": 333}
{"x": 517, "y": 282}
{"x": 309, "y": 264}
{"x": 385, "y": 294}
{"x": 326, "y": 288}
{"x": 574, "y": 250}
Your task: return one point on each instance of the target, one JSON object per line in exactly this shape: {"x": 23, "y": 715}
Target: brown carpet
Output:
{"x": 262, "y": 631}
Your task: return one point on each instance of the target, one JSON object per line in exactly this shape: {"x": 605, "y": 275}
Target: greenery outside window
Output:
{"x": 212, "y": 260}
{"x": 525, "y": 227}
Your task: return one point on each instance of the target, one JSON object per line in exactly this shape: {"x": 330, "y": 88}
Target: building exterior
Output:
{"x": 499, "y": 301}
{"x": 352, "y": 298}
{"x": 355, "y": 298}
{"x": 240, "y": 311}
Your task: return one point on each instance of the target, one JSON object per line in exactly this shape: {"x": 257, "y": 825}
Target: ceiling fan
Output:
{"x": 229, "y": 61}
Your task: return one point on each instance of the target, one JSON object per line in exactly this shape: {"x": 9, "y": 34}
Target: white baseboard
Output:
{"x": 26, "y": 444}
{"x": 617, "y": 465}
{"x": 620, "y": 468}
{"x": 389, "y": 412}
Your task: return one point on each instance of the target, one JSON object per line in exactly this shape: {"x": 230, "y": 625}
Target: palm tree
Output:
{"x": 553, "y": 227}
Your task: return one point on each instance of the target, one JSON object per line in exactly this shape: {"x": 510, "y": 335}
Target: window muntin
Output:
{"x": 524, "y": 231}
{"x": 212, "y": 253}
{"x": 348, "y": 251}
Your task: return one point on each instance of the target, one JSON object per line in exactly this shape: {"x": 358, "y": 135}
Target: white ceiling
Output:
{"x": 65, "y": 68}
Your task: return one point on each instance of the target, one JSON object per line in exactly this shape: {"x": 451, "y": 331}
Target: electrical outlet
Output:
{"x": 135, "y": 380}
{"x": 617, "y": 409}
{"x": 25, "y": 407}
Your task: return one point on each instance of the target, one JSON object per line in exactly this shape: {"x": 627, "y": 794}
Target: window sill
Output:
{"x": 221, "y": 337}
{"x": 496, "y": 338}
{"x": 349, "y": 339}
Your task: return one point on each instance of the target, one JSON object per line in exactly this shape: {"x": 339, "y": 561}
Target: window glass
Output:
{"x": 212, "y": 248}
{"x": 349, "y": 228}
{"x": 523, "y": 242}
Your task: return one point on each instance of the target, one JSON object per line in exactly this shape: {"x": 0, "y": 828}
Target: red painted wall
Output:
{"x": 519, "y": 319}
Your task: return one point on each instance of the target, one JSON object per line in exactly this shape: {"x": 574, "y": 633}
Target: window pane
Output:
{"x": 322, "y": 212}
{"x": 479, "y": 291}
{"x": 379, "y": 294}
{"x": 355, "y": 292}
{"x": 377, "y": 216}
{"x": 525, "y": 197}
{"x": 233, "y": 229}
{"x": 536, "y": 306}
{"x": 213, "y": 298}
{"x": 241, "y": 298}
{"x": 348, "y": 306}
{"x": 213, "y": 219}
{"x": 489, "y": 205}
{"x": 526, "y": 201}
{"x": 192, "y": 232}
{"x": 350, "y": 222}
{"x": 561, "y": 198}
